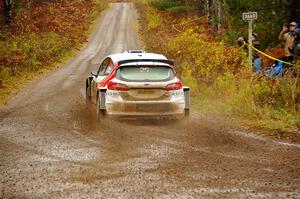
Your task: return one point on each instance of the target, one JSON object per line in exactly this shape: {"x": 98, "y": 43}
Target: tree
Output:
{"x": 214, "y": 11}
{"x": 272, "y": 14}
{"x": 28, "y": 8}
{"x": 7, "y": 9}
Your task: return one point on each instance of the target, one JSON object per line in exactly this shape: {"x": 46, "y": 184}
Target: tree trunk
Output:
{"x": 209, "y": 10}
{"x": 29, "y": 9}
{"x": 295, "y": 10}
{"x": 219, "y": 17}
{"x": 7, "y": 8}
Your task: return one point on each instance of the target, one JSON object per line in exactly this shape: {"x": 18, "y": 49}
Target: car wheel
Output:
{"x": 100, "y": 112}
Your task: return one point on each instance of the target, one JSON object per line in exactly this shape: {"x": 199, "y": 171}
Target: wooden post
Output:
{"x": 250, "y": 43}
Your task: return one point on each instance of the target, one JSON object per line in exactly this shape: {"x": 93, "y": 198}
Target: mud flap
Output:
{"x": 100, "y": 106}
{"x": 186, "y": 91}
{"x": 88, "y": 87}
{"x": 102, "y": 93}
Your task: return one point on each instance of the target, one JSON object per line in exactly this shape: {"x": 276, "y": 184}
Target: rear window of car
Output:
{"x": 145, "y": 73}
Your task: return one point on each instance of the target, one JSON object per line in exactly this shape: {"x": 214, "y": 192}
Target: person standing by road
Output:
{"x": 256, "y": 59}
{"x": 287, "y": 36}
{"x": 295, "y": 45}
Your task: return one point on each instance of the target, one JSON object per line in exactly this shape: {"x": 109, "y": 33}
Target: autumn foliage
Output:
{"x": 42, "y": 33}
{"x": 60, "y": 17}
{"x": 219, "y": 75}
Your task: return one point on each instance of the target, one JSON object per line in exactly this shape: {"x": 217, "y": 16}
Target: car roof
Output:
{"x": 137, "y": 56}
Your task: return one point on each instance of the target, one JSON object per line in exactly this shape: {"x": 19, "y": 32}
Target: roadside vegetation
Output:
{"x": 220, "y": 78}
{"x": 41, "y": 34}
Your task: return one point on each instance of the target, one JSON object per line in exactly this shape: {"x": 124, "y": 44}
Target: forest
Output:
{"x": 225, "y": 16}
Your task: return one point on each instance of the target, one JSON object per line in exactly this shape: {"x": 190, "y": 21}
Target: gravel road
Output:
{"x": 51, "y": 145}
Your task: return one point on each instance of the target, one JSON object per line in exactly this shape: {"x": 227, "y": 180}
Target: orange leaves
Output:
{"x": 276, "y": 52}
{"x": 13, "y": 60}
{"x": 42, "y": 32}
{"x": 66, "y": 18}
{"x": 59, "y": 17}
{"x": 234, "y": 59}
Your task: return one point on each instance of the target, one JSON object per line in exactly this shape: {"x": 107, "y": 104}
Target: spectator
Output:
{"x": 278, "y": 69}
{"x": 256, "y": 59}
{"x": 242, "y": 42}
{"x": 255, "y": 56}
{"x": 295, "y": 45}
{"x": 286, "y": 35}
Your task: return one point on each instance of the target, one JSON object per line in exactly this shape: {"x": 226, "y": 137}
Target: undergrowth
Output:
{"x": 49, "y": 35}
{"x": 165, "y": 4}
{"x": 154, "y": 20}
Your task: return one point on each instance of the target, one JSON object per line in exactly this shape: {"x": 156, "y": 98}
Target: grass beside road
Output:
{"x": 34, "y": 44}
{"x": 221, "y": 81}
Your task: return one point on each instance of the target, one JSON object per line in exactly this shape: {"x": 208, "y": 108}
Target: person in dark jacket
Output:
{"x": 295, "y": 45}
{"x": 243, "y": 43}
{"x": 256, "y": 59}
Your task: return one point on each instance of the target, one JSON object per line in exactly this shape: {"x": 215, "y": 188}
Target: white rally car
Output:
{"x": 135, "y": 83}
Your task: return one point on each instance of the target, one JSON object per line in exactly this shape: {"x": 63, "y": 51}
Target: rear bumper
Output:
{"x": 149, "y": 108}
{"x": 146, "y": 109}
{"x": 172, "y": 105}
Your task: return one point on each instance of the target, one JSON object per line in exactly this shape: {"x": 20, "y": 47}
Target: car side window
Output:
{"x": 109, "y": 67}
{"x": 103, "y": 67}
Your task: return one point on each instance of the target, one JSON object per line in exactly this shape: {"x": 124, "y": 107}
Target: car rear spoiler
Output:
{"x": 146, "y": 60}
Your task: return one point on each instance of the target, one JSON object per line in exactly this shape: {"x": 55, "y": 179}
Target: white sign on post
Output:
{"x": 250, "y": 16}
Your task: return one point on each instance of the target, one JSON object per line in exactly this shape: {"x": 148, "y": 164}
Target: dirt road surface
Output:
{"x": 51, "y": 145}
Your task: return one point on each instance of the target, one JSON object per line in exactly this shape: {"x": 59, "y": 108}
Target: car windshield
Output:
{"x": 145, "y": 73}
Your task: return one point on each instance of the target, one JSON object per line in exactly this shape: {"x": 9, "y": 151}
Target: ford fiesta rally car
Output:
{"x": 135, "y": 83}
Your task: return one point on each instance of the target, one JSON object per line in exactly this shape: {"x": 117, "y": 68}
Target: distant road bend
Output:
{"x": 51, "y": 145}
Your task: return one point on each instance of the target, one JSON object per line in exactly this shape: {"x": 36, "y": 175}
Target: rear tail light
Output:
{"x": 111, "y": 85}
{"x": 173, "y": 86}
